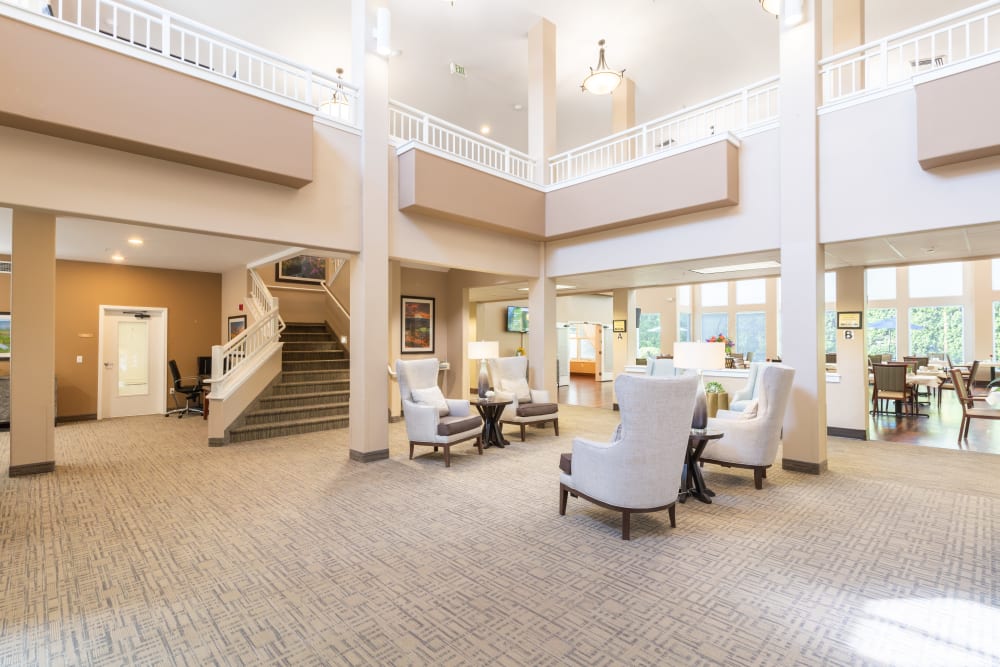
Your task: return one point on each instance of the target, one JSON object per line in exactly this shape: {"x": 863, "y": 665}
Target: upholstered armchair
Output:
{"x": 431, "y": 419}
{"x": 740, "y": 399}
{"x": 751, "y": 437}
{"x": 640, "y": 470}
{"x": 660, "y": 367}
{"x": 509, "y": 377}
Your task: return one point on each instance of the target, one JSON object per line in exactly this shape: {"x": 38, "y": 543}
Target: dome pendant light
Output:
{"x": 603, "y": 80}
{"x": 771, "y": 6}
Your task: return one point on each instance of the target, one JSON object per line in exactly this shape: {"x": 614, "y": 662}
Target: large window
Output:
{"x": 881, "y": 284}
{"x": 684, "y": 327}
{"x": 996, "y": 327}
{"x": 649, "y": 334}
{"x": 881, "y": 332}
{"x": 830, "y": 332}
{"x": 937, "y": 329}
{"x": 714, "y": 294}
{"x": 751, "y": 334}
{"x": 581, "y": 345}
{"x": 929, "y": 280}
{"x": 713, "y": 324}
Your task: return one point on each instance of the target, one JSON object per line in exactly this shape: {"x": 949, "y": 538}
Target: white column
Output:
{"x": 848, "y": 404}
{"x": 623, "y": 308}
{"x": 369, "y": 270}
{"x": 802, "y": 298}
{"x": 542, "y": 330}
{"x": 395, "y": 336}
{"x": 33, "y": 326}
{"x": 542, "y": 96}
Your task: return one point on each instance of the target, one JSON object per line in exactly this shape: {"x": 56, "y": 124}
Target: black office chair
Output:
{"x": 191, "y": 392}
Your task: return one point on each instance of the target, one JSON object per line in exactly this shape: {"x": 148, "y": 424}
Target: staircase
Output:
{"x": 311, "y": 394}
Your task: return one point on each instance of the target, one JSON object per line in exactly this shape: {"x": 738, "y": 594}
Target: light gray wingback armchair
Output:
{"x": 751, "y": 440}
{"x": 741, "y": 398}
{"x": 509, "y": 377}
{"x": 641, "y": 470}
{"x": 431, "y": 419}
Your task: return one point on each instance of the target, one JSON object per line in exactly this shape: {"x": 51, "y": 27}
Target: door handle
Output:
{"x": 109, "y": 365}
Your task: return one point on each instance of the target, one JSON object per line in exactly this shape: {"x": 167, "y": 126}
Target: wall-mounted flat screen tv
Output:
{"x": 517, "y": 319}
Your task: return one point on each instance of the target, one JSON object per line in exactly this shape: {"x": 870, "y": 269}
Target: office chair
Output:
{"x": 191, "y": 393}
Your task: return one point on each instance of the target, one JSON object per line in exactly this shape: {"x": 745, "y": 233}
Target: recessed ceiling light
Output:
{"x": 770, "y": 264}
{"x": 565, "y": 286}
{"x": 485, "y": 129}
{"x": 135, "y": 240}
{"x": 522, "y": 289}
{"x": 117, "y": 257}
{"x": 518, "y": 107}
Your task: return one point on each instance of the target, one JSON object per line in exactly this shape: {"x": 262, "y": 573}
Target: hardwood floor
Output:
{"x": 938, "y": 429}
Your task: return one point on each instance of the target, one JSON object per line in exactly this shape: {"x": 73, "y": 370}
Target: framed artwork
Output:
{"x": 302, "y": 269}
{"x": 237, "y": 324}
{"x": 849, "y": 319}
{"x": 4, "y": 335}
{"x": 418, "y": 325}
{"x": 618, "y": 326}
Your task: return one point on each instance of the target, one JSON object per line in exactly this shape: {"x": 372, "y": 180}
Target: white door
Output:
{"x": 132, "y": 362}
{"x": 604, "y": 363}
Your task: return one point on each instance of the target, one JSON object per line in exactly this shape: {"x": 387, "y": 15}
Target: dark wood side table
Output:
{"x": 692, "y": 482}
{"x": 490, "y": 410}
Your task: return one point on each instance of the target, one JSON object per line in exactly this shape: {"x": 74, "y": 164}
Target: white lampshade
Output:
{"x": 701, "y": 356}
{"x": 484, "y": 349}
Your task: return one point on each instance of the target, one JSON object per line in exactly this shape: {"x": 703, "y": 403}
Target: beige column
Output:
{"x": 33, "y": 326}
{"x": 623, "y": 106}
{"x": 771, "y": 287}
{"x": 802, "y": 298}
{"x": 542, "y": 330}
{"x": 395, "y": 336}
{"x": 978, "y": 280}
{"x": 370, "y": 307}
{"x": 542, "y": 96}
{"x": 623, "y": 349}
{"x": 848, "y": 400}
{"x": 456, "y": 324}
{"x": 848, "y": 24}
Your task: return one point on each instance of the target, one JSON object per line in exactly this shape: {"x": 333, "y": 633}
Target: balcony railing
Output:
{"x": 181, "y": 41}
{"x": 409, "y": 124}
{"x": 896, "y": 59}
{"x": 743, "y": 109}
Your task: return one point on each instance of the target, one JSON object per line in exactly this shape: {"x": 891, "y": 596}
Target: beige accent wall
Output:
{"x": 446, "y": 189}
{"x": 695, "y": 180}
{"x": 957, "y": 117}
{"x": 191, "y": 298}
{"x": 77, "y": 179}
{"x": 83, "y": 92}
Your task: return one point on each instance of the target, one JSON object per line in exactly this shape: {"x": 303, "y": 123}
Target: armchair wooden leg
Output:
{"x": 555, "y": 425}
{"x": 626, "y": 524}
{"x": 522, "y": 432}
{"x": 758, "y": 478}
{"x": 411, "y": 450}
{"x": 563, "y": 492}
{"x": 673, "y": 515}
{"x": 447, "y": 456}
{"x": 479, "y": 444}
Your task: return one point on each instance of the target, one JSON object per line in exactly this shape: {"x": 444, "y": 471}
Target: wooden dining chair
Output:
{"x": 973, "y": 407}
{"x": 890, "y": 385}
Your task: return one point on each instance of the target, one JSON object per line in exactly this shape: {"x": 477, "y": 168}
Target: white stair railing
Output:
{"x": 243, "y": 353}
{"x": 740, "y": 110}
{"x": 182, "y": 42}
{"x": 894, "y": 60}
{"x": 409, "y": 124}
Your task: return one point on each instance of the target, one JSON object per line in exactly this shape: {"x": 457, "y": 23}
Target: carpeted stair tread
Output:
{"x": 275, "y": 430}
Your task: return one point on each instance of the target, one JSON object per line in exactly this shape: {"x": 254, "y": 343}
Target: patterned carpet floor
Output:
{"x": 147, "y": 547}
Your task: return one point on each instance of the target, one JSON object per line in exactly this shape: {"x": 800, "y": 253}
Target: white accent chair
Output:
{"x": 641, "y": 470}
{"x": 424, "y": 423}
{"x": 741, "y": 398}
{"x": 509, "y": 377}
{"x": 752, "y": 441}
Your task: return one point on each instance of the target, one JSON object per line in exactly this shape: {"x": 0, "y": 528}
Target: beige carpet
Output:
{"x": 147, "y": 547}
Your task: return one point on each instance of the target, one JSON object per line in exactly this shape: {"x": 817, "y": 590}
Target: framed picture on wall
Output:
{"x": 302, "y": 269}
{"x": 418, "y": 325}
{"x": 237, "y": 324}
{"x": 849, "y": 320}
{"x": 4, "y": 335}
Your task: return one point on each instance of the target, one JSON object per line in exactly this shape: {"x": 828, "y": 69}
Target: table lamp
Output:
{"x": 483, "y": 350}
{"x": 700, "y": 356}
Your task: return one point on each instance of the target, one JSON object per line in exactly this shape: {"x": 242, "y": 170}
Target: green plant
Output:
{"x": 714, "y": 388}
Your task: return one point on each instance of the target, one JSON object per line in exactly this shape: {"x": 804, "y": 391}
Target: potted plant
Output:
{"x": 716, "y": 397}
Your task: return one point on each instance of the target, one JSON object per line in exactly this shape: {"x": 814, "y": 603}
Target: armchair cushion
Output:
{"x": 750, "y": 411}
{"x": 452, "y": 425}
{"x": 519, "y": 387}
{"x": 535, "y": 409}
{"x": 431, "y": 396}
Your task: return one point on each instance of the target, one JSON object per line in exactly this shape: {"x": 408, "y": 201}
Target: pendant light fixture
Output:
{"x": 338, "y": 105}
{"x": 771, "y": 6}
{"x": 603, "y": 80}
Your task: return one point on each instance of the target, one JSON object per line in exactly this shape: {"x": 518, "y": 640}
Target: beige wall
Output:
{"x": 956, "y": 117}
{"x": 191, "y": 298}
{"x": 128, "y": 104}
{"x": 446, "y": 189}
{"x": 694, "y": 180}
{"x": 38, "y": 171}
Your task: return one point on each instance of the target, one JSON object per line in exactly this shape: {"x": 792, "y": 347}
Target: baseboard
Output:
{"x": 853, "y": 433}
{"x": 395, "y": 420}
{"x": 369, "y": 457}
{"x": 31, "y": 468}
{"x": 216, "y": 442}
{"x": 804, "y": 466}
{"x": 68, "y": 419}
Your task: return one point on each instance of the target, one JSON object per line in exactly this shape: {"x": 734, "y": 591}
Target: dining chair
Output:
{"x": 973, "y": 407}
{"x": 890, "y": 385}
